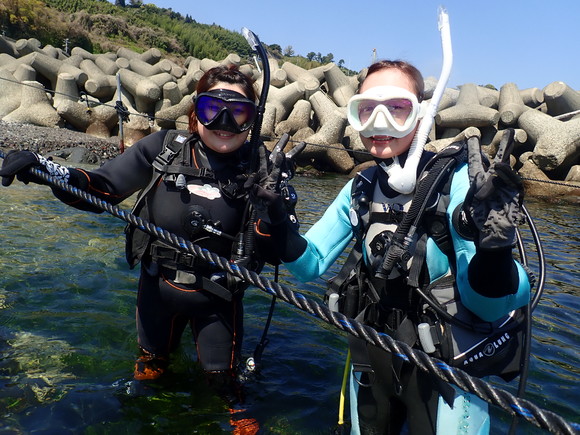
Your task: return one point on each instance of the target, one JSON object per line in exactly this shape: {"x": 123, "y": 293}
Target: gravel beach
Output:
{"x": 48, "y": 140}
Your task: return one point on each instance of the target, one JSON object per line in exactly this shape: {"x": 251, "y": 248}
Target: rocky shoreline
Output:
{"x": 76, "y": 97}
{"x": 75, "y": 147}
{"x": 57, "y": 141}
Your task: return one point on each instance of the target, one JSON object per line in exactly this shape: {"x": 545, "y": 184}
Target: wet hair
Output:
{"x": 406, "y": 68}
{"x": 221, "y": 74}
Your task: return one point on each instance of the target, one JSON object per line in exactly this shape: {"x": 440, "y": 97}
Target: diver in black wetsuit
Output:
{"x": 192, "y": 184}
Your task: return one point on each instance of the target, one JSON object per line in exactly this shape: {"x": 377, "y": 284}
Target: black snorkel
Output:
{"x": 246, "y": 242}
{"x": 257, "y": 46}
{"x": 253, "y": 363}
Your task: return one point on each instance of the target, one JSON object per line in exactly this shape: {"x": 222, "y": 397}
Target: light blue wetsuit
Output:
{"x": 327, "y": 239}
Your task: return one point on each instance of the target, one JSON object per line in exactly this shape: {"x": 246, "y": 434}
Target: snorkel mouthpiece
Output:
{"x": 401, "y": 179}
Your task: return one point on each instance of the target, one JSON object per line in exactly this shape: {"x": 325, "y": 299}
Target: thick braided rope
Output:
{"x": 505, "y": 400}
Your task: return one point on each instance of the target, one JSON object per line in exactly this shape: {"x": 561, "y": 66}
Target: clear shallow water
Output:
{"x": 68, "y": 341}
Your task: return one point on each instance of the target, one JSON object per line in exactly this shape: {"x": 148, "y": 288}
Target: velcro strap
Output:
{"x": 216, "y": 289}
{"x": 360, "y": 362}
{"x": 186, "y": 170}
{"x": 200, "y": 282}
{"x": 172, "y": 258}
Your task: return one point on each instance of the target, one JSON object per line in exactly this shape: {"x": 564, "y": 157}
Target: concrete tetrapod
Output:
{"x": 511, "y": 105}
{"x": 167, "y": 117}
{"x": 340, "y": 87}
{"x": 51, "y": 68}
{"x": 278, "y": 76}
{"x": 8, "y": 47}
{"x": 10, "y": 93}
{"x": 467, "y": 112}
{"x": 65, "y": 90}
{"x": 556, "y": 143}
{"x": 532, "y": 97}
{"x": 325, "y": 145}
{"x": 106, "y": 64}
{"x": 298, "y": 118}
{"x": 25, "y": 73}
{"x": 145, "y": 92}
{"x": 99, "y": 84}
{"x": 298, "y": 74}
{"x": 561, "y": 98}
{"x": 283, "y": 100}
{"x": 35, "y": 108}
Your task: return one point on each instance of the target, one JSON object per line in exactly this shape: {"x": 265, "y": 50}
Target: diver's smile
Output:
{"x": 381, "y": 139}
{"x": 223, "y": 134}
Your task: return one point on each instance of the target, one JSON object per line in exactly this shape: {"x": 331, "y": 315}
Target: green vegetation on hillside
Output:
{"x": 100, "y": 26}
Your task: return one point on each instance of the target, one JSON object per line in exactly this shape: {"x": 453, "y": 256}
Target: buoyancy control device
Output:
{"x": 442, "y": 326}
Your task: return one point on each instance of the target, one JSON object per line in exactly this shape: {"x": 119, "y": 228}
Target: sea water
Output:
{"x": 68, "y": 340}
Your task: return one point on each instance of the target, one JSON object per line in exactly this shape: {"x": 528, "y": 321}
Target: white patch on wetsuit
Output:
{"x": 205, "y": 191}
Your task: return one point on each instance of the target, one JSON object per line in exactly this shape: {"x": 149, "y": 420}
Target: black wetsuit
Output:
{"x": 171, "y": 289}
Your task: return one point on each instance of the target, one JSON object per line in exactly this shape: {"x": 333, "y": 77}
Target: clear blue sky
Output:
{"x": 529, "y": 42}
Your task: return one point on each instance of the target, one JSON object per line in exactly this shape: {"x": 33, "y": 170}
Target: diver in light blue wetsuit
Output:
{"x": 459, "y": 258}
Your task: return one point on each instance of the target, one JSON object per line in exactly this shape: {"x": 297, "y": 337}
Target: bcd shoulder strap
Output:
{"x": 137, "y": 240}
{"x": 360, "y": 199}
{"x": 172, "y": 146}
{"x": 346, "y": 285}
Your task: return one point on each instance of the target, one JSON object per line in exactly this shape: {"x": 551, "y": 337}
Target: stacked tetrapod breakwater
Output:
{"x": 46, "y": 87}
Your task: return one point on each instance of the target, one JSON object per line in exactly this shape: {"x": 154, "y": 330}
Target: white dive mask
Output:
{"x": 384, "y": 111}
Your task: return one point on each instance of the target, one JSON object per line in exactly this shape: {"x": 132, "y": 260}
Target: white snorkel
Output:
{"x": 403, "y": 179}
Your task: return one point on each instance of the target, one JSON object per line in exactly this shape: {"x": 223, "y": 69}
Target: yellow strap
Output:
{"x": 343, "y": 389}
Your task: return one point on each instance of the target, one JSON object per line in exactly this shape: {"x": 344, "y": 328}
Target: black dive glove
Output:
{"x": 18, "y": 163}
{"x": 493, "y": 203}
{"x": 273, "y": 198}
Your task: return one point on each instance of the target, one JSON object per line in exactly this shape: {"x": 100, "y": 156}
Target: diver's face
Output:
{"x": 384, "y": 147}
{"x": 219, "y": 140}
